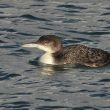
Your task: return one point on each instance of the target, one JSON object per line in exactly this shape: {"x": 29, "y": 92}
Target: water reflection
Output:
{"x": 46, "y": 69}
{"x": 51, "y": 70}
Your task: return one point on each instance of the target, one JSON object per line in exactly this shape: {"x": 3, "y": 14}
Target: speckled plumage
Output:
{"x": 80, "y": 54}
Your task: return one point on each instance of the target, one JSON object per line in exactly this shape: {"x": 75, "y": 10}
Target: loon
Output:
{"x": 57, "y": 54}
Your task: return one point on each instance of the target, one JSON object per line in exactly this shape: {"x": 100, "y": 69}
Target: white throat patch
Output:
{"x": 47, "y": 59}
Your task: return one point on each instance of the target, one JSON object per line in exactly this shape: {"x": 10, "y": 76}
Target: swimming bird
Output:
{"x": 57, "y": 54}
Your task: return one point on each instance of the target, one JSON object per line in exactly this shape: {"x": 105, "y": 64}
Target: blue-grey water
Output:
{"x": 28, "y": 85}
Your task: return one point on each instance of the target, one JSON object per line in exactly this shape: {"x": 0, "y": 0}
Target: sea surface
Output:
{"x": 27, "y": 85}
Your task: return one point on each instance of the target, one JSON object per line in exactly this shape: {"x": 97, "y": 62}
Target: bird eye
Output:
{"x": 45, "y": 42}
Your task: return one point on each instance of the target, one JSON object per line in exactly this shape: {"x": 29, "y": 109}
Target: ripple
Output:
{"x": 5, "y": 6}
{"x": 7, "y": 76}
{"x": 104, "y": 80}
{"x": 108, "y": 8}
{"x": 41, "y": 0}
{"x": 107, "y": 27}
{"x": 84, "y": 90}
{"x": 1, "y": 12}
{"x": 77, "y": 91}
{"x": 23, "y": 51}
{"x": 26, "y": 83}
{"x": 104, "y": 95}
{"x": 28, "y": 16}
{"x": 22, "y": 105}
{"x": 70, "y": 41}
{"x": 51, "y": 107}
{"x": 38, "y": 5}
{"x": 67, "y": 91}
{"x": 7, "y": 16}
{"x": 1, "y": 41}
{"x": 46, "y": 28}
{"x": 95, "y": 83}
{"x": 84, "y": 39}
{"x": 71, "y": 21}
{"x": 85, "y": 108}
{"x": 25, "y": 34}
{"x": 20, "y": 52}
{"x": 46, "y": 99}
{"x": 108, "y": 13}
{"x": 106, "y": 108}
{"x": 70, "y": 11}
{"x": 22, "y": 93}
{"x": 9, "y": 46}
{"x": 71, "y": 6}
{"x": 7, "y": 30}
{"x": 75, "y": 40}
{"x": 90, "y": 33}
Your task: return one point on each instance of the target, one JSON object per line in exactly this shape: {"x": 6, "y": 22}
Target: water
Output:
{"x": 27, "y": 85}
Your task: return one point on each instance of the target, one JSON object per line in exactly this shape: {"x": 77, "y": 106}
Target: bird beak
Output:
{"x": 30, "y": 45}
{"x": 39, "y": 46}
